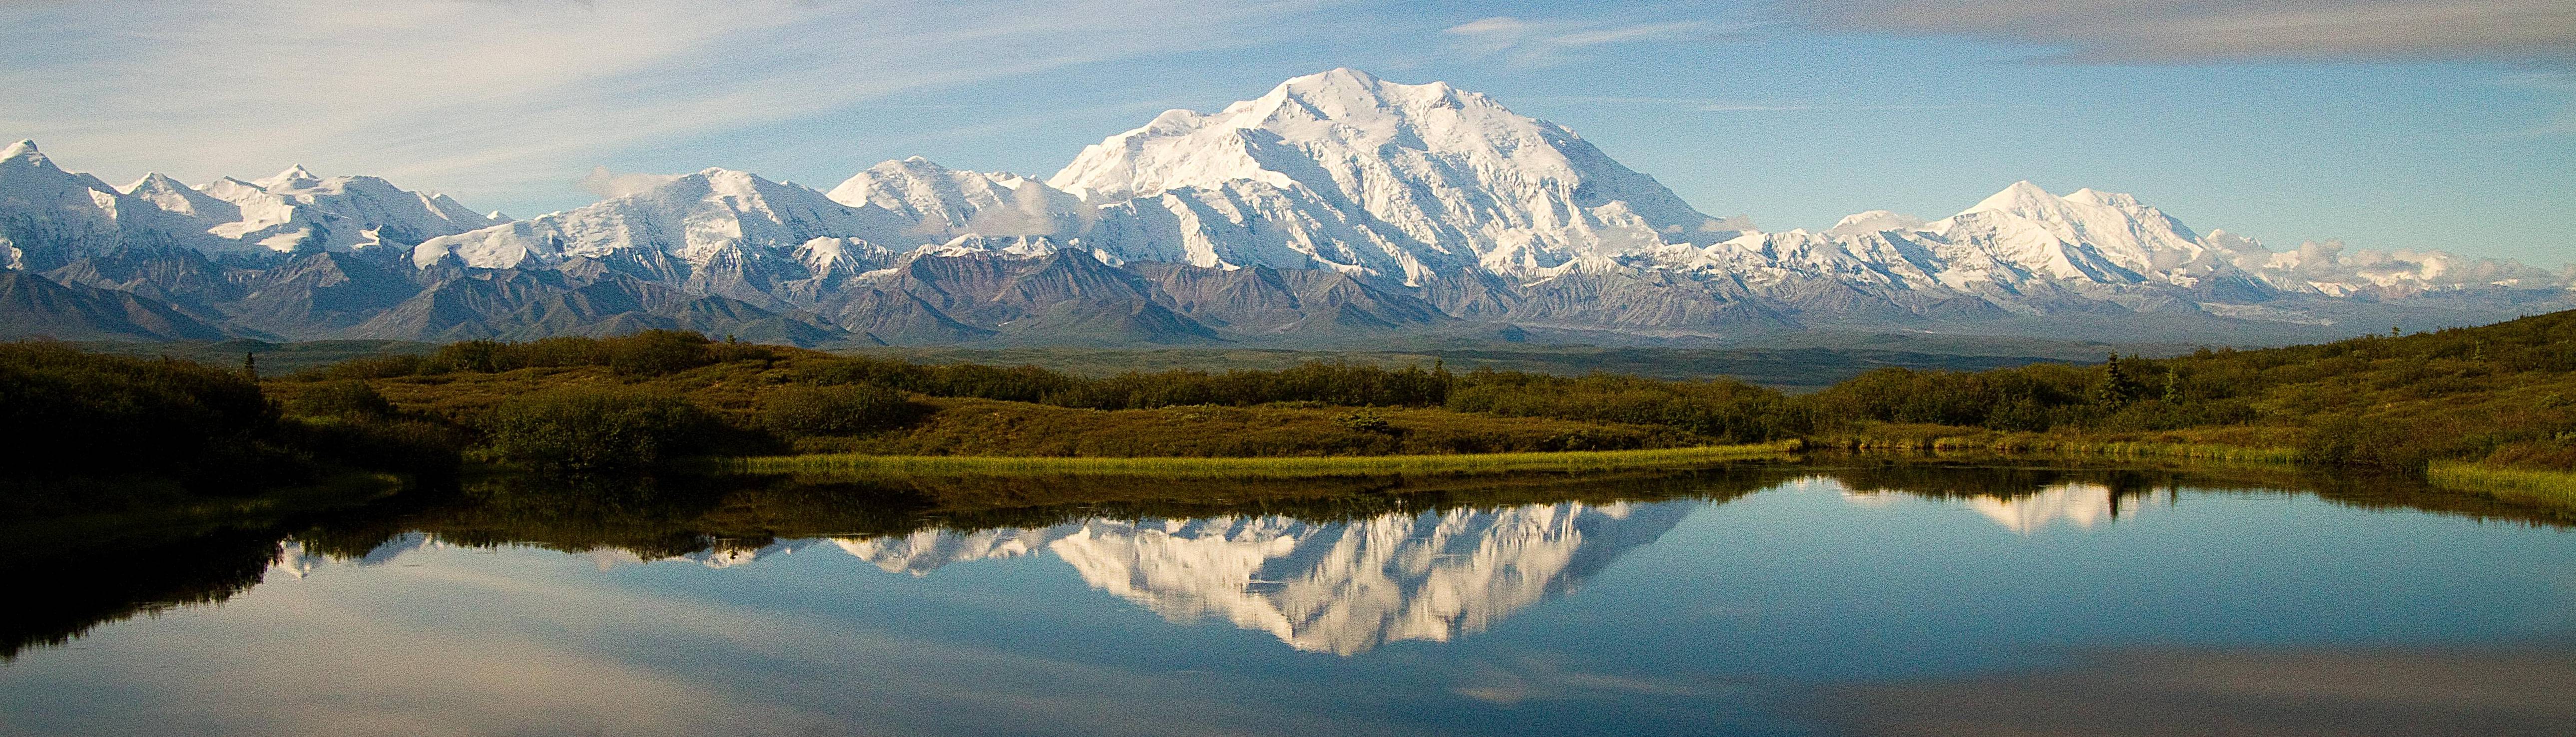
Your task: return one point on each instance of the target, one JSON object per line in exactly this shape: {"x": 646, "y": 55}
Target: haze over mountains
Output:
{"x": 1336, "y": 209}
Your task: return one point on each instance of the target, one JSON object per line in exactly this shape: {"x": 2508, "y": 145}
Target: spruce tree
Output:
{"x": 2117, "y": 387}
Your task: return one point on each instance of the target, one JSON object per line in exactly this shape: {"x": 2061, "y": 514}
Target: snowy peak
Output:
{"x": 291, "y": 212}
{"x": 2090, "y": 236}
{"x": 945, "y": 203}
{"x": 2022, "y": 198}
{"x": 24, "y": 151}
{"x": 1396, "y": 180}
{"x": 1876, "y": 221}
{"x": 172, "y": 195}
{"x": 292, "y": 176}
{"x": 2091, "y": 196}
{"x": 693, "y": 218}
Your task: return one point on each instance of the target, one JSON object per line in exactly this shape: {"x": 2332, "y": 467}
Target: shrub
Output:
{"x": 425, "y": 449}
{"x": 648, "y": 353}
{"x": 83, "y": 413}
{"x": 844, "y": 409}
{"x": 2347, "y": 442}
{"x": 595, "y": 428}
{"x": 1367, "y": 421}
{"x": 341, "y": 398}
{"x": 371, "y": 367}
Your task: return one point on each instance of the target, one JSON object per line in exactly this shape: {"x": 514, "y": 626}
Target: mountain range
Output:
{"x": 1339, "y": 208}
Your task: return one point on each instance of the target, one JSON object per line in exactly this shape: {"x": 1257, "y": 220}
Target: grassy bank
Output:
{"x": 2553, "y": 488}
{"x": 2149, "y": 446}
{"x": 1275, "y": 467}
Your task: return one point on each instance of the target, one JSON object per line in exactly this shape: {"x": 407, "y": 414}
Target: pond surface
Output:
{"x": 1964, "y": 601}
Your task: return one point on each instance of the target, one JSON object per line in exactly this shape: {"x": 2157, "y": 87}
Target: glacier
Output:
{"x": 1336, "y": 207}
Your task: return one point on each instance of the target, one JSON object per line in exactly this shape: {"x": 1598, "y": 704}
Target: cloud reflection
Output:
{"x": 2155, "y": 693}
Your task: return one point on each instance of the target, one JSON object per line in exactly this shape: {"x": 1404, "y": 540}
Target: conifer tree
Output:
{"x": 2117, "y": 387}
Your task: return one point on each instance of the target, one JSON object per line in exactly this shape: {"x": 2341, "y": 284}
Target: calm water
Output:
{"x": 1945, "y": 602}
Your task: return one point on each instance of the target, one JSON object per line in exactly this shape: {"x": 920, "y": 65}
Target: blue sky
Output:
{"x": 2388, "y": 124}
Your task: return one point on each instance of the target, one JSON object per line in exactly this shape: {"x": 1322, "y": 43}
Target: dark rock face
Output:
{"x": 1045, "y": 295}
{"x": 33, "y": 306}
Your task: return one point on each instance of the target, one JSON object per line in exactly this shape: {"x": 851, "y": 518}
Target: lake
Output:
{"x": 1773, "y": 601}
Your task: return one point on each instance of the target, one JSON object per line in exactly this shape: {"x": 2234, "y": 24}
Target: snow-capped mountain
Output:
{"x": 1345, "y": 171}
{"x": 49, "y": 216}
{"x": 297, "y": 210}
{"x": 56, "y": 216}
{"x": 1340, "y": 588}
{"x": 944, "y": 204}
{"x": 1336, "y": 207}
{"x": 692, "y": 218}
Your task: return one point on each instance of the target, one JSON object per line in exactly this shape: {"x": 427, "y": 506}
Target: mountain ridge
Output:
{"x": 1399, "y": 208}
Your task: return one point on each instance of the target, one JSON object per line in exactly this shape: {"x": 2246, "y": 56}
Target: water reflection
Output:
{"x": 2076, "y": 504}
{"x": 1897, "y": 600}
{"x": 2161, "y": 692}
{"x": 1338, "y": 566}
{"x": 1336, "y": 587}
{"x": 1341, "y": 587}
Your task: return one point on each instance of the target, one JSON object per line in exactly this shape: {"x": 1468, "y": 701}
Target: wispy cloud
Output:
{"x": 519, "y": 96}
{"x": 2560, "y": 85}
{"x": 1549, "y": 42}
{"x": 600, "y": 181}
{"x": 2160, "y": 31}
{"x": 1770, "y": 106}
{"x": 1737, "y": 107}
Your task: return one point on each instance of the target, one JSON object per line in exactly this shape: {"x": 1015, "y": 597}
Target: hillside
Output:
{"x": 2471, "y": 406}
{"x": 2499, "y": 394}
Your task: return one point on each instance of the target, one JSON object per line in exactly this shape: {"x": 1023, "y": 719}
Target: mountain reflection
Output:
{"x": 1333, "y": 565}
{"x": 1341, "y": 587}
{"x": 2079, "y": 504}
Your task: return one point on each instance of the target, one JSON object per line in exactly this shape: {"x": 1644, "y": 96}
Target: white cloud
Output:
{"x": 1547, "y": 42}
{"x": 608, "y": 184}
{"x": 501, "y": 98}
{"x": 2232, "y": 30}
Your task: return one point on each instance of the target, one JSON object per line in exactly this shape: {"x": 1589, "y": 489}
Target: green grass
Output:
{"x": 1610, "y": 460}
{"x": 2156, "y": 450}
{"x": 1942, "y": 439}
{"x": 2556, "y": 488}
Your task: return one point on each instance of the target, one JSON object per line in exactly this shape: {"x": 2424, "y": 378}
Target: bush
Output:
{"x": 1722, "y": 410}
{"x": 648, "y": 353}
{"x": 2345, "y": 442}
{"x": 596, "y": 428}
{"x": 371, "y": 367}
{"x": 83, "y": 413}
{"x": 341, "y": 398}
{"x": 1367, "y": 421}
{"x": 423, "y": 449}
{"x": 846, "y": 409}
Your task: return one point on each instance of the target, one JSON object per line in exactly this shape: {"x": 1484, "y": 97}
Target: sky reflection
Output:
{"x": 1823, "y": 606}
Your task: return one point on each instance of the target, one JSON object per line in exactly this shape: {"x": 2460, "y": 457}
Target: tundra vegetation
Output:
{"x": 2467, "y": 405}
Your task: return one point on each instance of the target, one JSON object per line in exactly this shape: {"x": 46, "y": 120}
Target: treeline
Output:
{"x": 2123, "y": 394}
{"x": 649, "y": 353}
{"x": 84, "y": 422}
{"x": 2391, "y": 402}
{"x": 2351, "y": 403}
